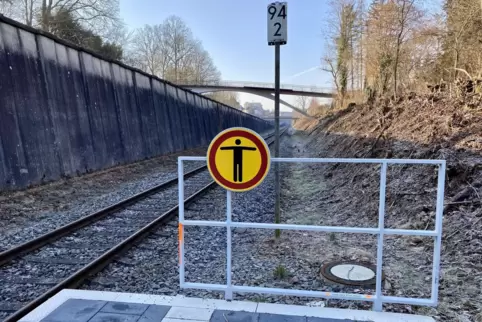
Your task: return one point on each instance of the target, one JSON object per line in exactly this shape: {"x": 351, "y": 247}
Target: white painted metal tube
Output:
{"x": 339, "y": 160}
{"x": 180, "y": 174}
{"x": 438, "y": 228}
{"x": 335, "y": 229}
{"x": 327, "y": 295}
{"x": 378, "y": 304}
{"x": 228, "y": 294}
{"x": 192, "y": 158}
{"x": 408, "y": 300}
{"x": 282, "y": 291}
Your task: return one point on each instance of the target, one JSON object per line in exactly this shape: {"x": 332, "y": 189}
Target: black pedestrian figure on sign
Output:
{"x": 238, "y": 159}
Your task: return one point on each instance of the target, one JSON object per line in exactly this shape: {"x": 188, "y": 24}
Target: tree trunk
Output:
{"x": 45, "y": 15}
{"x": 456, "y": 63}
{"x": 395, "y": 69}
{"x": 352, "y": 71}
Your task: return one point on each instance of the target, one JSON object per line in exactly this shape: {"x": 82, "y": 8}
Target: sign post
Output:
{"x": 277, "y": 36}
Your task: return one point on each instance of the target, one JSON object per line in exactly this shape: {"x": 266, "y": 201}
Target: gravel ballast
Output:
{"x": 28, "y": 214}
{"x": 293, "y": 261}
{"x": 311, "y": 195}
{"x": 258, "y": 259}
{"x": 25, "y": 278}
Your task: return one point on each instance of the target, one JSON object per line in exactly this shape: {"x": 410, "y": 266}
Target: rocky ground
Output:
{"x": 424, "y": 127}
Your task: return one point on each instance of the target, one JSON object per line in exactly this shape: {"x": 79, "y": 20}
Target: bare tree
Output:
{"x": 149, "y": 52}
{"x": 170, "y": 51}
{"x": 342, "y": 30}
{"x": 406, "y": 16}
{"x": 120, "y": 34}
{"x": 200, "y": 68}
{"x": 96, "y": 15}
{"x": 463, "y": 41}
{"x": 10, "y": 8}
{"x": 179, "y": 44}
{"x": 397, "y": 45}
{"x": 6, "y": 8}
{"x": 302, "y": 102}
{"x": 228, "y": 98}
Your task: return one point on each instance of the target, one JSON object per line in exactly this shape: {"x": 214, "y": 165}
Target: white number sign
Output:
{"x": 277, "y": 23}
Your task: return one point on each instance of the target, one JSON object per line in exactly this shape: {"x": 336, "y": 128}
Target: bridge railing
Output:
{"x": 301, "y": 88}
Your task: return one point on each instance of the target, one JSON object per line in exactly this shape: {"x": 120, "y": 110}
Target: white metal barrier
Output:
{"x": 378, "y": 299}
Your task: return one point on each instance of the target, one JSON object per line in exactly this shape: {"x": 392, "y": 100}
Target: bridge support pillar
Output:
{"x": 272, "y": 97}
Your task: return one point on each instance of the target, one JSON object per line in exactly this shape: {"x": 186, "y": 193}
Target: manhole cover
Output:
{"x": 350, "y": 273}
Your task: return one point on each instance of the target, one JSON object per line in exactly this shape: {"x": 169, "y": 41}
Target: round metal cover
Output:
{"x": 350, "y": 273}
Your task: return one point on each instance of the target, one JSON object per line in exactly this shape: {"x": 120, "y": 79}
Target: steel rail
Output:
{"x": 8, "y": 255}
{"x": 33, "y": 244}
{"x": 98, "y": 264}
{"x": 95, "y": 266}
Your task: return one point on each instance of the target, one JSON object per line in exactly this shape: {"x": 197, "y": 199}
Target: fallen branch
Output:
{"x": 376, "y": 141}
{"x": 464, "y": 202}
{"x": 464, "y": 71}
{"x": 402, "y": 193}
{"x": 475, "y": 190}
{"x": 463, "y": 194}
{"x": 458, "y": 230}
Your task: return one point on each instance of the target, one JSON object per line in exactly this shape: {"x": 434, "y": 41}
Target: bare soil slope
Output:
{"x": 424, "y": 127}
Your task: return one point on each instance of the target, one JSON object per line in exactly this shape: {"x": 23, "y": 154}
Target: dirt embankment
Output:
{"x": 423, "y": 127}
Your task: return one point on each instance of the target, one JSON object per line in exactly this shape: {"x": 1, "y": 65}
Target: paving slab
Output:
{"x": 114, "y": 317}
{"x": 154, "y": 313}
{"x": 81, "y": 310}
{"x": 234, "y": 316}
{"x": 75, "y": 310}
{"x": 240, "y": 316}
{"x": 314, "y": 319}
{"x": 269, "y": 317}
{"x": 125, "y": 308}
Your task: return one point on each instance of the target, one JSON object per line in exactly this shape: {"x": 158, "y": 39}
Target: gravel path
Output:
{"x": 28, "y": 214}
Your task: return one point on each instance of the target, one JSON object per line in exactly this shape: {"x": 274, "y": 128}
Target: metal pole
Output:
{"x": 378, "y": 303}
{"x": 180, "y": 176}
{"x": 228, "y": 293}
{"x": 276, "y": 133}
{"x": 438, "y": 228}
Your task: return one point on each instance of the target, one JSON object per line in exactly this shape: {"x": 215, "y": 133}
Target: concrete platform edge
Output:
{"x": 179, "y": 303}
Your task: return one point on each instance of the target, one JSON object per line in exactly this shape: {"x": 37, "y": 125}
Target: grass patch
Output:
{"x": 280, "y": 272}
{"x": 305, "y": 190}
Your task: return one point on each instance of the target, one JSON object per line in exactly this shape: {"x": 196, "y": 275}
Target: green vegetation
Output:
{"x": 280, "y": 272}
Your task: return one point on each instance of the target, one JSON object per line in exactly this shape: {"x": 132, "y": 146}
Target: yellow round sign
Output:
{"x": 238, "y": 159}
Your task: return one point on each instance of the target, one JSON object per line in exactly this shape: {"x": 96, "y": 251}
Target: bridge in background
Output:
{"x": 265, "y": 90}
{"x": 271, "y": 118}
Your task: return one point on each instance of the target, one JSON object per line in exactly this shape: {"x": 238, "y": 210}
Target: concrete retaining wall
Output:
{"x": 65, "y": 111}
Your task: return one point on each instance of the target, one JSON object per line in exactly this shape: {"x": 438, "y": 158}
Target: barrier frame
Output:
{"x": 378, "y": 299}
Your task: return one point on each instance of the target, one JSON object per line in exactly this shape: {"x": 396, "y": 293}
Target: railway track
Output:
{"x": 34, "y": 271}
